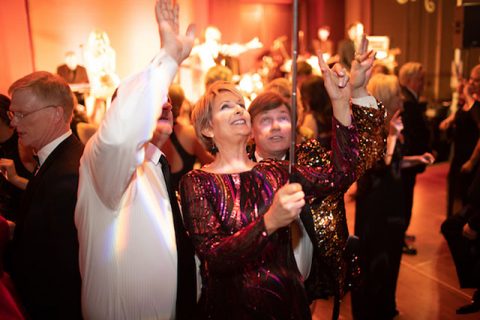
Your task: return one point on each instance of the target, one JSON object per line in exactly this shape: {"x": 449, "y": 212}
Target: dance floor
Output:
{"x": 427, "y": 286}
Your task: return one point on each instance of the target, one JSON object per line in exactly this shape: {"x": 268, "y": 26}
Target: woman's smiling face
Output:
{"x": 229, "y": 116}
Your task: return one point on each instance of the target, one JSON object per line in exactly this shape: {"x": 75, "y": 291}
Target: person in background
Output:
{"x": 318, "y": 114}
{"x": 16, "y": 165}
{"x": 10, "y": 309}
{"x": 379, "y": 214}
{"x": 217, "y": 73}
{"x": 183, "y": 148}
{"x": 461, "y": 231}
{"x": 380, "y": 67}
{"x": 348, "y": 46}
{"x": 416, "y": 135}
{"x": 304, "y": 72}
{"x": 466, "y": 143}
{"x": 322, "y": 45}
{"x": 71, "y": 71}
{"x": 74, "y": 74}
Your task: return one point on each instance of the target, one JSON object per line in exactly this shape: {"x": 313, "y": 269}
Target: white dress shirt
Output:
{"x": 128, "y": 258}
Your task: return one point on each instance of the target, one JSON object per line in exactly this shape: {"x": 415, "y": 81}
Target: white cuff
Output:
{"x": 367, "y": 101}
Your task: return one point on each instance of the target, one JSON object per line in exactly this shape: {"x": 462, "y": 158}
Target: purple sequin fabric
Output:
{"x": 247, "y": 274}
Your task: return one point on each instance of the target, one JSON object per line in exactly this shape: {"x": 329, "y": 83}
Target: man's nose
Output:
{"x": 14, "y": 122}
{"x": 275, "y": 125}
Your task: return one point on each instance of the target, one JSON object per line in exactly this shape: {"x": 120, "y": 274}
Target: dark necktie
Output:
{"x": 167, "y": 176}
{"x": 37, "y": 164}
{"x": 186, "y": 272}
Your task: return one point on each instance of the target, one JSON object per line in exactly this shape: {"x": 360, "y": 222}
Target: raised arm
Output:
{"x": 117, "y": 149}
{"x": 336, "y": 82}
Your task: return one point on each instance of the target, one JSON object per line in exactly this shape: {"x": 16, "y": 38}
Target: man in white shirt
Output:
{"x": 136, "y": 260}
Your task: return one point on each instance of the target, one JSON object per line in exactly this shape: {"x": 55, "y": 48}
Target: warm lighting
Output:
{"x": 429, "y": 4}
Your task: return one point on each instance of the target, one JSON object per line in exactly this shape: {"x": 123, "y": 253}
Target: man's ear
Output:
{"x": 59, "y": 112}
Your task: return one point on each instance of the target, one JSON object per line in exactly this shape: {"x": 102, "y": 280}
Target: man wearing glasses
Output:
{"x": 45, "y": 246}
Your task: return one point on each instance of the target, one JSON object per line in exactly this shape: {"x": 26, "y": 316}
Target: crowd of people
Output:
{"x": 177, "y": 209}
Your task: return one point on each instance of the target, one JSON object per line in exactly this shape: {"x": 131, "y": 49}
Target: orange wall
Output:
{"x": 62, "y": 25}
{"x": 15, "y": 51}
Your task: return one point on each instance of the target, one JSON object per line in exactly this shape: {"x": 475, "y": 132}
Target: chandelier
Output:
{"x": 429, "y": 4}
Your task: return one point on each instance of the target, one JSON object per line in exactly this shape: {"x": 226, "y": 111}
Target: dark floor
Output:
{"x": 427, "y": 286}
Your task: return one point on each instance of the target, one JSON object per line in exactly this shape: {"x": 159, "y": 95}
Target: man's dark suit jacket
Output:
{"x": 45, "y": 257}
{"x": 415, "y": 131}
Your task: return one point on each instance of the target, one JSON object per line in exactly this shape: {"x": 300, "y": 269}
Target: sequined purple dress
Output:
{"x": 247, "y": 274}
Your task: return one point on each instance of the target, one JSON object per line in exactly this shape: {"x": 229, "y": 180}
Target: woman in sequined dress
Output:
{"x": 238, "y": 211}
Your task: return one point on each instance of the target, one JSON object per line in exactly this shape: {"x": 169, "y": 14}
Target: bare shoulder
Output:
{"x": 186, "y": 136}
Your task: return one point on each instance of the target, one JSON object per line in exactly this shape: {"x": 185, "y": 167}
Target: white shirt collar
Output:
{"x": 259, "y": 158}
{"x": 46, "y": 150}
{"x": 152, "y": 153}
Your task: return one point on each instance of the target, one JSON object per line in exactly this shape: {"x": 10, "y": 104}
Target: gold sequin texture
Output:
{"x": 339, "y": 269}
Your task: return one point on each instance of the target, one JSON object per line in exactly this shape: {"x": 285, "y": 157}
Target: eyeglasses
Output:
{"x": 20, "y": 115}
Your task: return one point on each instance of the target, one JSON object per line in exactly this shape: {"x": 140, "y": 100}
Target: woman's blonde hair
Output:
{"x": 385, "y": 87}
{"x": 203, "y": 109}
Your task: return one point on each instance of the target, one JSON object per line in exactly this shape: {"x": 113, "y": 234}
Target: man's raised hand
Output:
{"x": 175, "y": 45}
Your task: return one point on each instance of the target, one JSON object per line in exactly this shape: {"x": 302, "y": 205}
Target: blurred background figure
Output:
{"x": 304, "y": 72}
{"x": 379, "y": 213}
{"x": 212, "y": 52}
{"x": 465, "y": 125}
{"x": 16, "y": 165}
{"x": 318, "y": 110}
{"x": 216, "y": 73}
{"x": 183, "y": 149}
{"x": 416, "y": 135}
{"x": 75, "y": 75}
{"x": 461, "y": 230}
{"x": 348, "y": 46}
{"x": 380, "y": 67}
{"x": 323, "y": 44}
{"x": 9, "y": 306}
{"x": 100, "y": 61}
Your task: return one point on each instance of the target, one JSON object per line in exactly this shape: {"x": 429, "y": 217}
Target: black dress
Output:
{"x": 187, "y": 159}
{"x": 380, "y": 225}
{"x": 465, "y": 137}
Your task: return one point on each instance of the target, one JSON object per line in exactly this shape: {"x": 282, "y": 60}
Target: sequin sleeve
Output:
{"x": 372, "y": 135}
{"x": 340, "y": 162}
{"x": 224, "y": 238}
{"x": 369, "y": 123}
